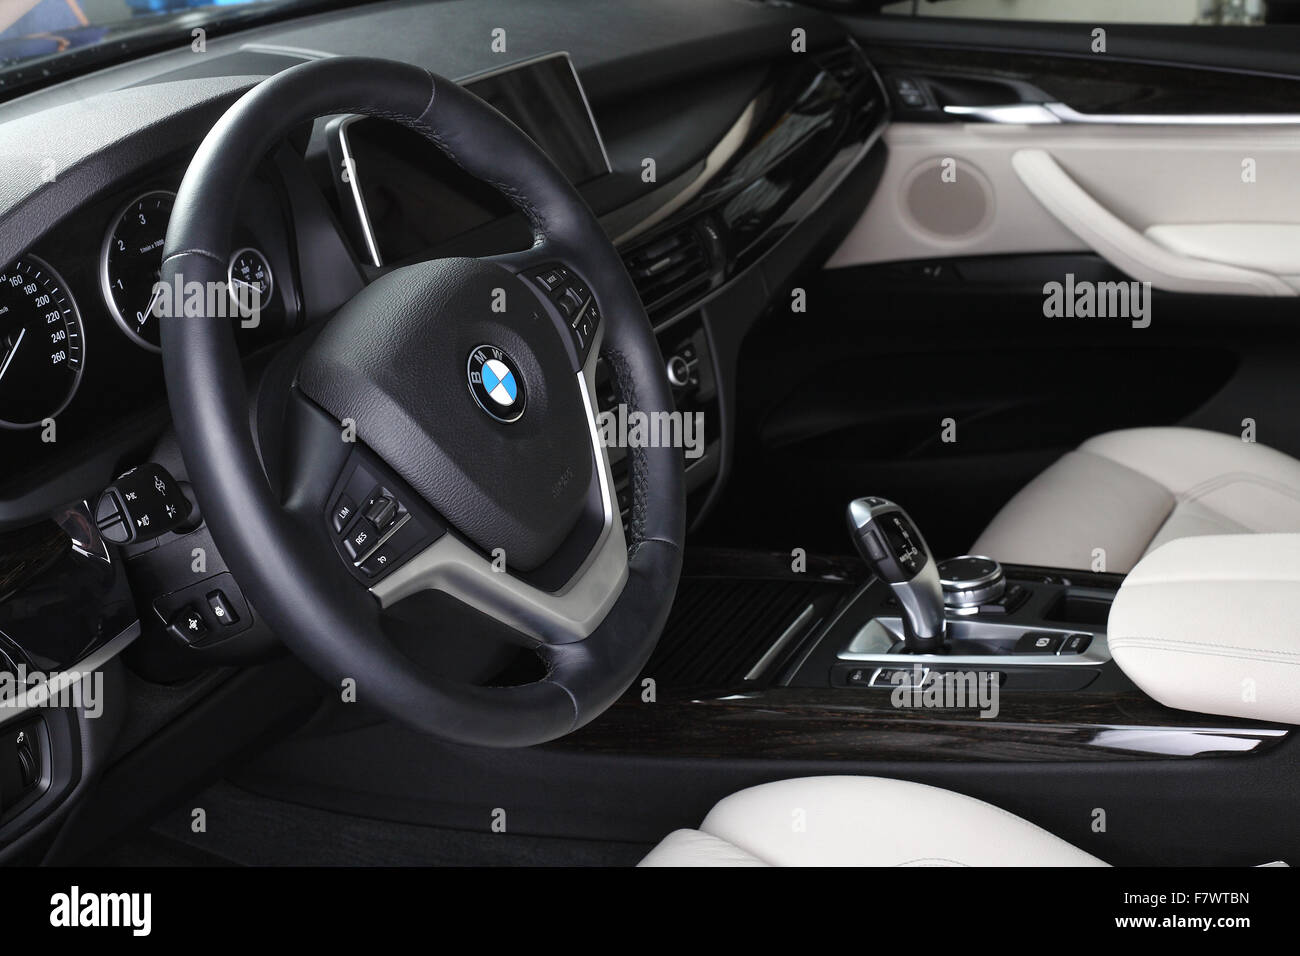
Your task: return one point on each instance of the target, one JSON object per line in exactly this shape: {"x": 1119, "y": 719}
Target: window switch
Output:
{"x": 222, "y": 609}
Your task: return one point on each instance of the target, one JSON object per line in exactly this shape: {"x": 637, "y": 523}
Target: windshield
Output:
{"x": 62, "y": 31}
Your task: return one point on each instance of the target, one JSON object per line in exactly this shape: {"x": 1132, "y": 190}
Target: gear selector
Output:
{"x": 888, "y": 540}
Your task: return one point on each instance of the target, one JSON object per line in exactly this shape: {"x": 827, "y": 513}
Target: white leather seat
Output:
{"x": 861, "y": 821}
{"x": 1128, "y": 492}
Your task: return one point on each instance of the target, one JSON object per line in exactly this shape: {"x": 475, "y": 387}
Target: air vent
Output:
{"x": 670, "y": 270}
{"x": 847, "y": 68}
{"x": 719, "y": 628}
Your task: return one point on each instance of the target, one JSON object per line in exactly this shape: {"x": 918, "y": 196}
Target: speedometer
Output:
{"x": 42, "y": 344}
{"x": 131, "y": 263}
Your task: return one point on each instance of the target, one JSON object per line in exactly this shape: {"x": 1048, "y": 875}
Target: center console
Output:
{"x": 1029, "y": 630}
{"x": 794, "y": 657}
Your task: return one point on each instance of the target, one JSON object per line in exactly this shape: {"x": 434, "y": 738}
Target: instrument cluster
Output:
{"x": 44, "y": 345}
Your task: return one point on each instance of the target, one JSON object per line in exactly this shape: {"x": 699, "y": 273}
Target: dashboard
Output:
{"x": 761, "y": 160}
{"x": 743, "y": 168}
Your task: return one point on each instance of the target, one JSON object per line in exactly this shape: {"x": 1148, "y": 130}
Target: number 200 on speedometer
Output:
{"x": 42, "y": 344}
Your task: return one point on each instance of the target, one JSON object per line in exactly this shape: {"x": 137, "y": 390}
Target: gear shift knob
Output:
{"x": 888, "y": 540}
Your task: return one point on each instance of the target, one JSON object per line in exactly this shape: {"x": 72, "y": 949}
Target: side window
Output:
{"x": 1167, "y": 12}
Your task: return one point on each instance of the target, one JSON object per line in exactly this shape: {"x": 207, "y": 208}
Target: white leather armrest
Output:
{"x": 1210, "y": 624}
{"x": 1272, "y": 247}
{"x": 1123, "y": 246}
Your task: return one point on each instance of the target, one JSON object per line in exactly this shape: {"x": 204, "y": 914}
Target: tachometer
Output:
{"x": 131, "y": 263}
{"x": 42, "y": 344}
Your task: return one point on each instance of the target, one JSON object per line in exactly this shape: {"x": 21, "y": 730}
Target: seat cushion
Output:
{"x": 1125, "y": 493}
{"x": 861, "y": 821}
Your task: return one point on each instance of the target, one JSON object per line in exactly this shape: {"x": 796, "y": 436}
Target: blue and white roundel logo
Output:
{"x": 495, "y": 383}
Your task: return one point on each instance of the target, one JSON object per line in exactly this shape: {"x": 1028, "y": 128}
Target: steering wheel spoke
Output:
{"x": 562, "y": 614}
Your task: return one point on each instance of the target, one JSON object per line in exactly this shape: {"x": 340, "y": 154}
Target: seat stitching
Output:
{"x": 1210, "y": 516}
{"x": 1234, "y": 477}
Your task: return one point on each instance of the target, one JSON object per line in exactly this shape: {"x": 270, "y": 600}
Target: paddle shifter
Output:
{"x": 886, "y": 538}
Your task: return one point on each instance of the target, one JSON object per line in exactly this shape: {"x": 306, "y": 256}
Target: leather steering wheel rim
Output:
{"x": 297, "y": 585}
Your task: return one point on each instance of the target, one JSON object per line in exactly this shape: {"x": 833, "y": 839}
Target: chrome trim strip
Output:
{"x": 1032, "y": 114}
{"x": 703, "y": 173}
{"x": 1024, "y": 114}
{"x": 363, "y": 214}
{"x": 364, "y": 557}
{"x": 1098, "y": 652}
{"x": 779, "y": 644}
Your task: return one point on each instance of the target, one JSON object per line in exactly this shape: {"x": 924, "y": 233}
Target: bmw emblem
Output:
{"x": 495, "y": 383}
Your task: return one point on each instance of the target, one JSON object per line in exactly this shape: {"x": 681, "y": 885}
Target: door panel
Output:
{"x": 934, "y": 308}
{"x": 1146, "y": 178}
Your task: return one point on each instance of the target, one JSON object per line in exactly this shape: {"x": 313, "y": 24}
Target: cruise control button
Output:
{"x": 378, "y": 562}
{"x": 361, "y": 538}
{"x": 344, "y": 509}
{"x": 382, "y": 511}
{"x": 391, "y": 551}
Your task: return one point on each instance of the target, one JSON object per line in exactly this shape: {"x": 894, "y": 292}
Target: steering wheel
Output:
{"x": 450, "y": 404}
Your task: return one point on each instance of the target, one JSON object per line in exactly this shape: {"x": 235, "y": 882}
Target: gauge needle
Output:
{"x": 152, "y": 303}
{"x": 13, "y": 350}
{"x": 247, "y": 294}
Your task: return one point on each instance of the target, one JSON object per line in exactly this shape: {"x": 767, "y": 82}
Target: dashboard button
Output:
{"x": 552, "y": 277}
{"x": 1076, "y": 643}
{"x": 222, "y": 609}
{"x": 1039, "y": 642}
{"x": 188, "y": 625}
